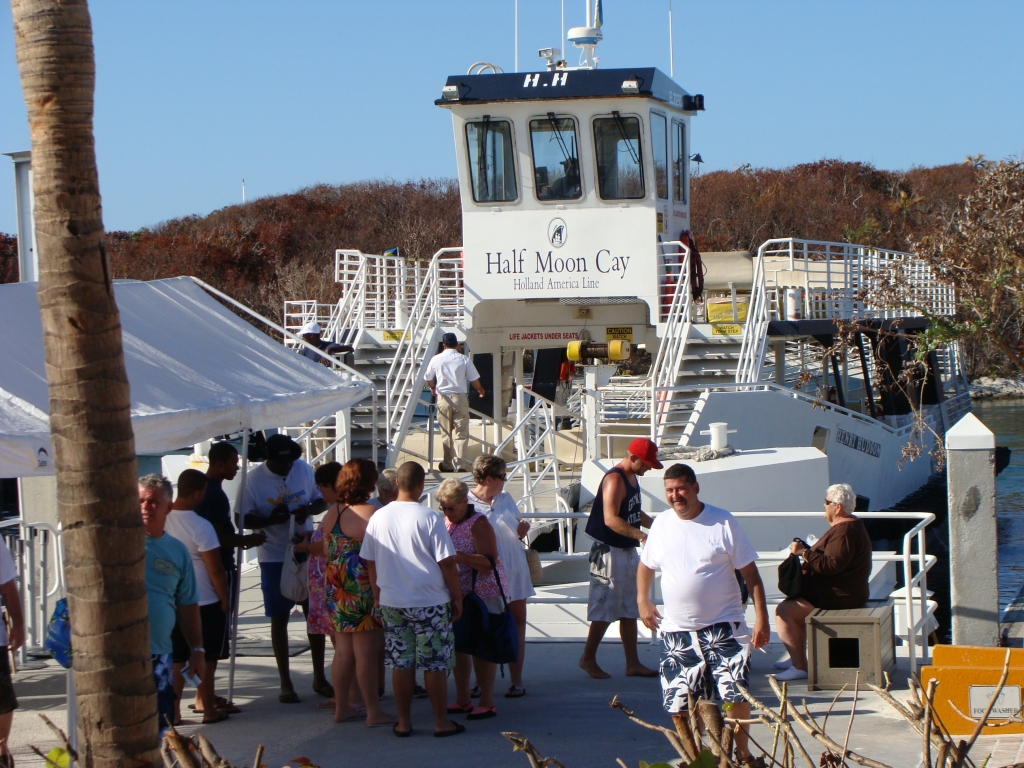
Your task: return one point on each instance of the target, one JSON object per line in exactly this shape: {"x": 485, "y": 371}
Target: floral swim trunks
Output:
{"x": 702, "y": 663}
{"x": 419, "y": 638}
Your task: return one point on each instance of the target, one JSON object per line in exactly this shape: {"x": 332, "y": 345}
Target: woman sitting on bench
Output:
{"x": 834, "y": 576}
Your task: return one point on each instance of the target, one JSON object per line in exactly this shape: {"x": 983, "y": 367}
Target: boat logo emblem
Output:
{"x": 557, "y": 233}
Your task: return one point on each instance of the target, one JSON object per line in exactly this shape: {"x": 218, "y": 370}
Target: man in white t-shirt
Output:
{"x": 200, "y": 539}
{"x": 448, "y": 375}
{"x": 279, "y": 492}
{"x": 410, "y": 559}
{"x": 699, "y": 548}
{"x": 10, "y": 597}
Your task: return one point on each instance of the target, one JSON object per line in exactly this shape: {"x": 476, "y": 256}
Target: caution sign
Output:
{"x": 661, "y": 223}
{"x": 726, "y": 329}
{"x": 393, "y": 334}
{"x": 720, "y": 310}
{"x": 619, "y": 333}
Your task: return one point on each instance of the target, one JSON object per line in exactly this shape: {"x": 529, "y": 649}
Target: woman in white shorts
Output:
{"x": 501, "y": 511}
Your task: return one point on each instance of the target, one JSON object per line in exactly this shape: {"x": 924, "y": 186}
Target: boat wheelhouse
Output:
{"x": 575, "y": 195}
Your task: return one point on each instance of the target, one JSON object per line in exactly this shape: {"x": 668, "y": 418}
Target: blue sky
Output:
{"x": 194, "y": 96}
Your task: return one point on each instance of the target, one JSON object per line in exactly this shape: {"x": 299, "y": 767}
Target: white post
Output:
{"x": 239, "y": 554}
{"x": 590, "y": 411}
{"x": 971, "y": 481}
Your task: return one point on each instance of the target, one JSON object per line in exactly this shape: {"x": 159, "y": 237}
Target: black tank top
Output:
{"x": 629, "y": 510}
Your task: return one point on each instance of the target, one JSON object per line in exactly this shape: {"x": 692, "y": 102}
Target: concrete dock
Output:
{"x": 565, "y": 713}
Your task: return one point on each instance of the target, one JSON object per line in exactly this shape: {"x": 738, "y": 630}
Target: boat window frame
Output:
{"x": 680, "y": 165}
{"x": 533, "y": 158}
{"x": 640, "y": 164}
{"x": 668, "y": 155}
{"x": 513, "y": 153}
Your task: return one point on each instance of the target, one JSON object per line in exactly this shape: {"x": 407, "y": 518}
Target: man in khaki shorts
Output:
{"x": 614, "y": 525}
{"x": 448, "y": 374}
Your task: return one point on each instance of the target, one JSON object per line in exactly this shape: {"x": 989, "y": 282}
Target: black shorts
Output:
{"x": 215, "y": 635}
{"x": 8, "y": 701}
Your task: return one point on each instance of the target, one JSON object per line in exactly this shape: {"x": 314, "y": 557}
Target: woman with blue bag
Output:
{"x": 480, "y": 571}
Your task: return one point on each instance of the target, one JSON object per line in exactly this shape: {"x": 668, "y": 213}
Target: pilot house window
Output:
{"x": 659, "y": 150}
{"x": 556, "y": 162}
{"x": 491, "y": 160}
{"x": 679, "y": 161}
{"x": 619, "y": 167}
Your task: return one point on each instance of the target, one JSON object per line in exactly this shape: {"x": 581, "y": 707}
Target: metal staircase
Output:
{"x": 392, "y": 312}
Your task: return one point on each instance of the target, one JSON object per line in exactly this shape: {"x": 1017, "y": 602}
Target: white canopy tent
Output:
{"x": 195, "y": 370}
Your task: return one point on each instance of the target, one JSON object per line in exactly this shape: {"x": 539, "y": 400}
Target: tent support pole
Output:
{"x": 239, "y": 554}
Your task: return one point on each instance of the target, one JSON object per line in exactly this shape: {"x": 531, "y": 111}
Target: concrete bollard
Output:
{"x": 973, "y": 576}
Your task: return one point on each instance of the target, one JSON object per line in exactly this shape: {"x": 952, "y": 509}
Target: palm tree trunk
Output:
{"x": 94, "y": 449}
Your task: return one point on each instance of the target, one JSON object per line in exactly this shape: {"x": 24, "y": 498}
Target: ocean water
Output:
{"x": 1006, "y": 419}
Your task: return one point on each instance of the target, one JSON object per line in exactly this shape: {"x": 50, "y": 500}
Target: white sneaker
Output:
{"x": 791, "y": 674}
{"x": 784, "y": 663}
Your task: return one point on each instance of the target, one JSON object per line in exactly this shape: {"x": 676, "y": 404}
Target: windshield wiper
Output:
{"x": 622, "y": 132}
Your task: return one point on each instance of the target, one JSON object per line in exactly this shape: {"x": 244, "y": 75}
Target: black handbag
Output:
{"x": 791, "y": 576}
{"x": 492, "y": 637}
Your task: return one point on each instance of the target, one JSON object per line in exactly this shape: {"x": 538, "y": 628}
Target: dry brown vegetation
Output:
{"x": 278, "y": 248}
{"x": 282, "y": 247}
{"x": 828, "y": 200}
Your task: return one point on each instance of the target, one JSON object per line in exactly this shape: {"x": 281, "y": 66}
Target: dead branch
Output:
{"x": 783, "y": 723}
{"x": 181, "y": 748}
{"x": 672, "y": 737}
{"x": 853, "y": 712}
{"x": 259, "y": 756}
{"x": 165, "y": 753}
{"x": 522, "y": 744}
{"x": 828, "y": 712}
{"x": 210, "y": 754}
{"x": 61, "y": 736}
{"x": 823, "y": 738}
{"x": 926, "y": 747}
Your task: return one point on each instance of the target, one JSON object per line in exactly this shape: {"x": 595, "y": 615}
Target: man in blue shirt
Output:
{"x": 171, "y": 590}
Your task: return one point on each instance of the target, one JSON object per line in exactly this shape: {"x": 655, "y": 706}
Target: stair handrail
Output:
{"x": 755, "y": 331}
{"x": 349, "y": 315}
{"x": 405, "y": 377}
{"x": 671, "y": 350}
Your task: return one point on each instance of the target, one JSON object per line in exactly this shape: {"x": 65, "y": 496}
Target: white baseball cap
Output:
{"x": 310, "y": 328}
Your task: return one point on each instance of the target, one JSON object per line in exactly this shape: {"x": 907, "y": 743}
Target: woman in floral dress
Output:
{"x": 358, "y": 632}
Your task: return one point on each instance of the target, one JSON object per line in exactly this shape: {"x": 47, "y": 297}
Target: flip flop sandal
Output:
{"x": 325, "y": 690}
{"x": 401, "y": 734}
{"x": 460, "y": 709}
{"x": 515, "y": 692}
{"x": 231, "y": 709}
{"x": 475, "y": 692}
{"x": 482, "y": 714}
{"x": 6, "y": 761}
{"x": 459, "y": 728}
{"x": 288, "y": 697}
{"x": 419, "y": 692}
{"x": 221, "y": 715}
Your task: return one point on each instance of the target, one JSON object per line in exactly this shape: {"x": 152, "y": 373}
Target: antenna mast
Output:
{"x": 671, "y": 47}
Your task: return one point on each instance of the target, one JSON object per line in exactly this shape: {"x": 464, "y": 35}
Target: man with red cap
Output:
{"x": 614, "y": 525}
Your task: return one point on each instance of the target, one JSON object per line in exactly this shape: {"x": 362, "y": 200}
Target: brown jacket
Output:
{"x": 837, "y": 568}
